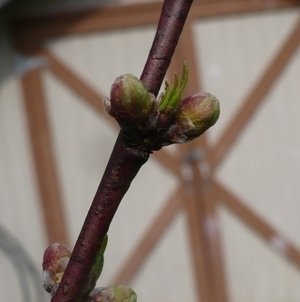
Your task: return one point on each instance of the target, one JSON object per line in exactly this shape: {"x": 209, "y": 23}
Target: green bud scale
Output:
{"x": 130, "y": 102}
{"x": 196, "y": 114}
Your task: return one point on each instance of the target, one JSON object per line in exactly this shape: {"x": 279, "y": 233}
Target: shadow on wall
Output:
{"x": 12, "y": 63}
{"x": 6, "y": 53}
{"x": 26, "y": 272}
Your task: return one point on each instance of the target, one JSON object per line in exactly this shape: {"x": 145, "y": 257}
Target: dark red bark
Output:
{"x": 123, "y": 165}
{"x": 124, "y": 162}
{"x": 171, "y": 22}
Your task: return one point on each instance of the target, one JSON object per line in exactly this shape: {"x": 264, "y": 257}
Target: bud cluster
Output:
{"x": 149, "y": 123}
{"x": 56, "y": 258}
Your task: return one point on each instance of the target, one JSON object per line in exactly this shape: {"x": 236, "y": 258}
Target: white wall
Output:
{"x": 263, "y": 168}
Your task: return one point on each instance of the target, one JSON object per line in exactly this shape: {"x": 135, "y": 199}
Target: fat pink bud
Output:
{"x": 196, "y": 114}
{"x": 130, "y": 102}
{"x": 55, "y": 260}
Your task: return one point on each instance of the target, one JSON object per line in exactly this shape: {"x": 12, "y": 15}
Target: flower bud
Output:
{"x": 119, "y": 293}
{"x": 130, "y": 102}
{"x": 55, "y": 260}
{"x": 196, "y": 114}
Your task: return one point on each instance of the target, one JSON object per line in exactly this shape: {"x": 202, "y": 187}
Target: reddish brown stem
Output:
{"x": 124, "y": 162}
{"x": 170, "y": 25}
{"x": 123, "y": 165}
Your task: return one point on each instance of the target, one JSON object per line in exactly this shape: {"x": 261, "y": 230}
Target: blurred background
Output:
{"x": 215, "y": 221}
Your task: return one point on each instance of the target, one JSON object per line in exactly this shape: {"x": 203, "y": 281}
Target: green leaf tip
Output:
{"x": 98, "y": 266}
{"x": 95, "y": 271}
{"x": 171, "y": 97}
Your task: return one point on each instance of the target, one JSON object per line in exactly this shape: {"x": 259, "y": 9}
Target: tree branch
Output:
{"x": 124, "y": 162}
{"x": 171, "y": 22}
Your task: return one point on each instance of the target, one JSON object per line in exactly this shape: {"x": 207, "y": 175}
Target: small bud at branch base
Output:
{"x": 55, "y": 260}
